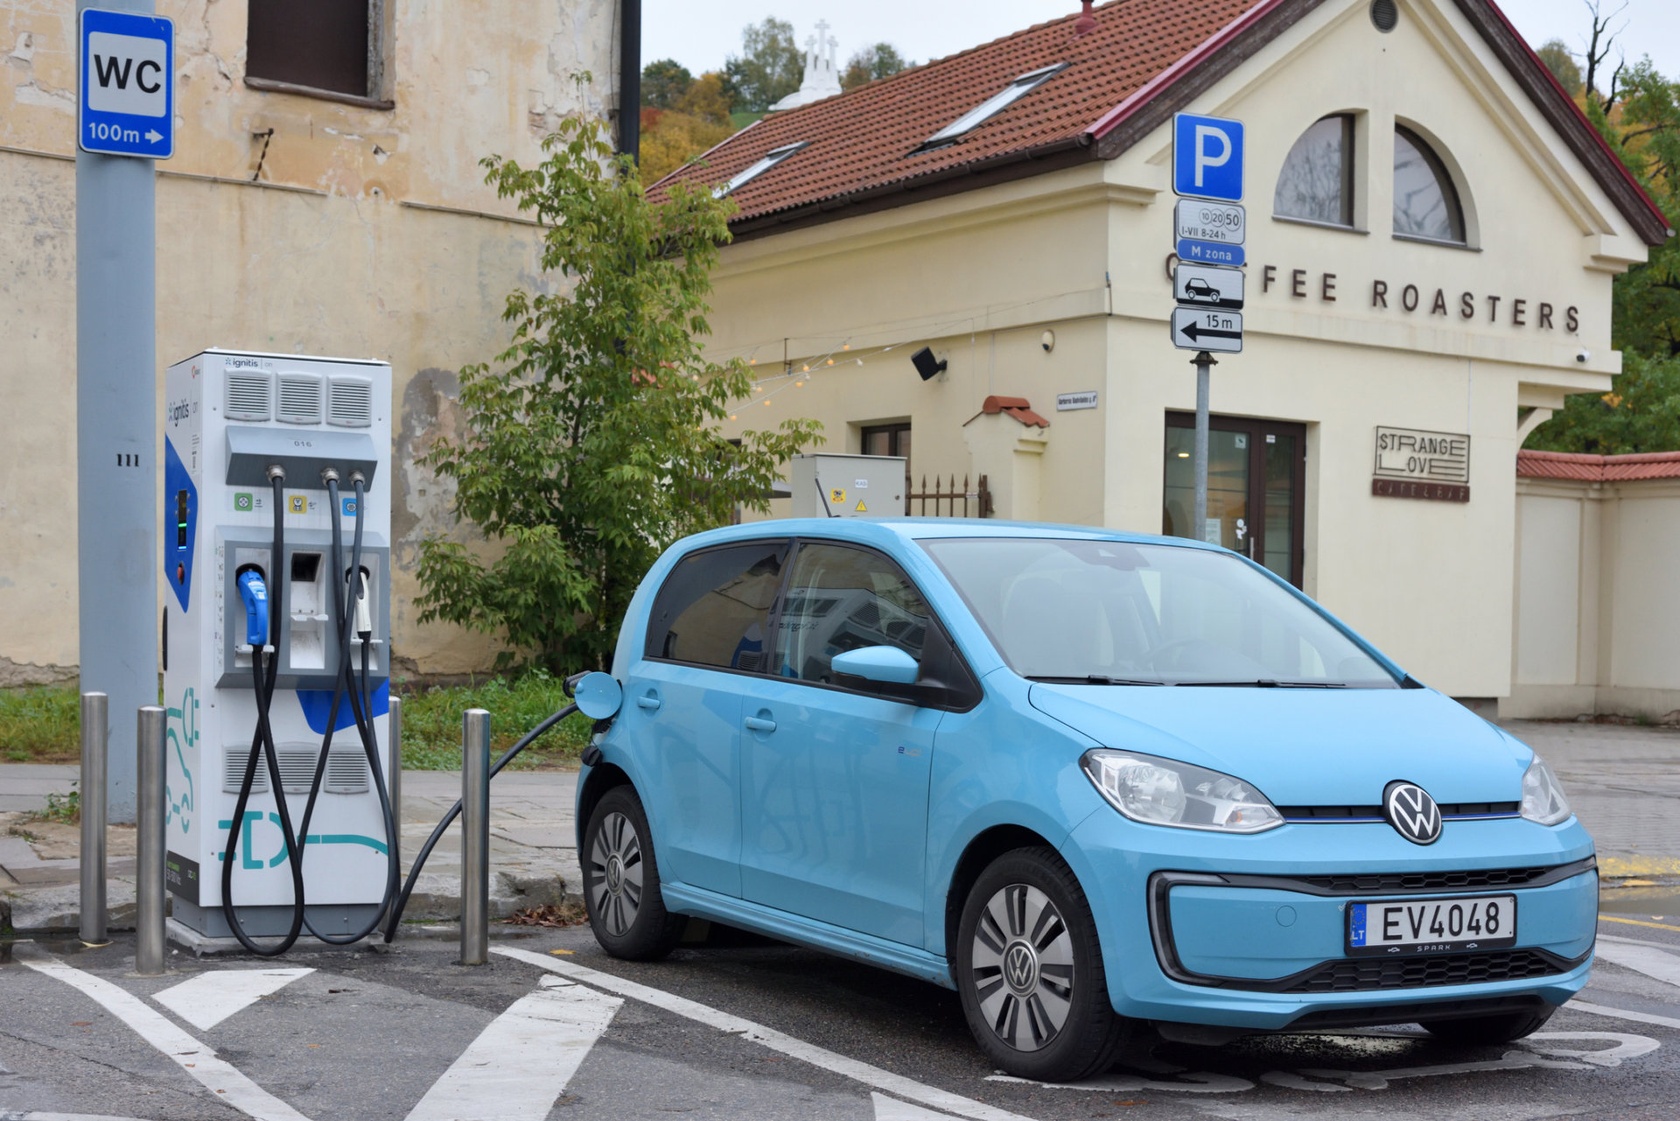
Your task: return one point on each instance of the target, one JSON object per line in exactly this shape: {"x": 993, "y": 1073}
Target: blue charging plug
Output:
{"x": 255, "y": 593}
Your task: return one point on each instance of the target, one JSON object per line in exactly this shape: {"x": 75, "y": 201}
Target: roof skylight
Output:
{"x": 770, "y": 160}
{"x": 990, "y": 108}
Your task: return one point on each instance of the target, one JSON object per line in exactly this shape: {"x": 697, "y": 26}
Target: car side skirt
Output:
{"x": 909, "y": 960}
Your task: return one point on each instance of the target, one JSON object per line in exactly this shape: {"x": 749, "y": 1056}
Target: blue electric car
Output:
{"x": 1088, "y": 779}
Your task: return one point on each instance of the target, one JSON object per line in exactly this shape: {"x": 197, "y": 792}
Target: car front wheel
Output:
{"x": 621, "y": 881}
{"x": 1030, "y": 971}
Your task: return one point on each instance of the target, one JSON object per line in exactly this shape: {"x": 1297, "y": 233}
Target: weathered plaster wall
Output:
{"x": 347, "y": 230}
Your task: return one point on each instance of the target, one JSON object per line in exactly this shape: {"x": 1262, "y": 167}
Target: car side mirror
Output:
{"x": 887, "y": 665}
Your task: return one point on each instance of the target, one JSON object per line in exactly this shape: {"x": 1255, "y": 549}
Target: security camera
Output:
{"x": 1583, "y": 355}
{"x": 1047, "y": 341}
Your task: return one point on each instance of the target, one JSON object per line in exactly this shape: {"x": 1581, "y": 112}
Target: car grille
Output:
{"x": 1474, "y": 879}
{"x": 1449, "y": 811}
{"x": 1425, "y": 972}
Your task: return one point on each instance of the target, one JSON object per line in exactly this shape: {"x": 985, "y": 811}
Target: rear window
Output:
{"x": 715, "y": 607}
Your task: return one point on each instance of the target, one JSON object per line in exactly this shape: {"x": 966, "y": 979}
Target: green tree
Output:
{"x": 664, "y": 82}
{"x": 593, "y": 442}
{"x": 1555, "y": 53}
{"x": 769, "y": 67}
{"x": 872, "y": 63}
{"x": 1641, "y": 413}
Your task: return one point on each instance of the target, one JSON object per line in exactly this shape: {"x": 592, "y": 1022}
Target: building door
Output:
{"x": 1256, "y": 482}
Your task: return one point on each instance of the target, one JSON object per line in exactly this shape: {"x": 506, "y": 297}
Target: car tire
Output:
{"x": 621, "y": 881}
{"x": 1052, "y": 1022}
{"x": 1489, "y": 1031}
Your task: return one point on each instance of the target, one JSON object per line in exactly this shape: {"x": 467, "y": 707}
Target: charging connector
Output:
{"x": 253, "y": 589}
{"x": 364, "y": 610}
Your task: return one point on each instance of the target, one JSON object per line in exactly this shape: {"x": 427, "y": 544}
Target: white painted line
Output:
{"x": 521, "y": 1063}
{"x": 1657, "y": 964}
{"x": 209, "y": 998}
{"x": 1623, "y": 1014}
{"x": 891, "y": 1109}
{"x": 197, "y": 1059}
{"x": 895, "y": 1084}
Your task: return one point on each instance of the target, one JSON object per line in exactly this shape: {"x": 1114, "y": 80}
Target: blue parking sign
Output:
{"x": 127, "y": 104}
{"x": 1208, "y": 157}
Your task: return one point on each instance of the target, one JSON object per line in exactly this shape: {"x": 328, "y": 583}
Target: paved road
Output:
{"x": 553, "y": 1029}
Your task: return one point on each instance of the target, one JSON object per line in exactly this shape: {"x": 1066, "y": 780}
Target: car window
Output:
{"x": 841, "y": 599}
{"x": 1072, "y": 610}
{"x": 714, "y": 608}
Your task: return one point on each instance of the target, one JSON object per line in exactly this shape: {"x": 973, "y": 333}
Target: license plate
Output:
{"x": 1430, "y": 926}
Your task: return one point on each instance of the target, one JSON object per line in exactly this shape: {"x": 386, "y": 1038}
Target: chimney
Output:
{"x": 1086, "y": 23}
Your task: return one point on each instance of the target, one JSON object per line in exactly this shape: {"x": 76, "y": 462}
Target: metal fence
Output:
{"x": 947, "y": 498}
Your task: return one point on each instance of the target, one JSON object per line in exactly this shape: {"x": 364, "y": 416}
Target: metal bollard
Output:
{"x": 148, "y": 874}
{"x": 475, "y": 837}
{"x": 96, "y": 738}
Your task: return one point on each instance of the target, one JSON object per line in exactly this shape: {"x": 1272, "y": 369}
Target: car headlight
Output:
{"x": 1160, "y": 791}
{"x": 1543, "y": 799}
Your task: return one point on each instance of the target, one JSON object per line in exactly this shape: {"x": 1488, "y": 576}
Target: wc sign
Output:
{"x": 127, "y": 105}
{"x": 1208, "y": 157}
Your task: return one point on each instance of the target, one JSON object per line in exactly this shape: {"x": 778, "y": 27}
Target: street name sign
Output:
{"x": 1208, "y": 157}
{"x": 127, "y": 103}
{"x": 1206, "y": 286}
{"x": 1199, "y": 220}
{"x": 1211, "y": 330}
{"x": 1210, "y": 253}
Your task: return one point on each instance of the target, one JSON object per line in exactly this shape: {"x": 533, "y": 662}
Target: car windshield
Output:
{"x": 1097, "y": 612}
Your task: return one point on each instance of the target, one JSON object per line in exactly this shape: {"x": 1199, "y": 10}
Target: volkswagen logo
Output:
{"x": 1020, "y": 967}
{"x": 1412, "y": 812}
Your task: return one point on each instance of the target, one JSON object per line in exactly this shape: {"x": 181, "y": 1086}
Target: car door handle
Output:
{"x": 649, "y": 702}
{"x": 760, "y": 724}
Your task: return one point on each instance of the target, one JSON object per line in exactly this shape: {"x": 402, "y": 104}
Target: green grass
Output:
{"x": 43, "y": 724}
{"x": 40, "y": 724}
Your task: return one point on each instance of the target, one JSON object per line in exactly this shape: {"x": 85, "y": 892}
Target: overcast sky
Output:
{"x": 702, "y": 35}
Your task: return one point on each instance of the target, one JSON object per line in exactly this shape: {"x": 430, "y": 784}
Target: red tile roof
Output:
{"x": 1143, "y": 60}
{"x": 1016, "y": 407}
{"x": 1598, "y": 468}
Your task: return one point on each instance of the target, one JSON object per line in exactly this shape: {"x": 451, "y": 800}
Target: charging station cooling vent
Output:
{"x": 250, "y": 395}
{"x": 233, "y": 771}
{"x": 300, "y": 398}
{"x": 347, "y": 769}
{"x": 350, "y": 401}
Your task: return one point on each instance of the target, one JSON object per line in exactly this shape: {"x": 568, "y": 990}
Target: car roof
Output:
{"x": 884, "y": 532}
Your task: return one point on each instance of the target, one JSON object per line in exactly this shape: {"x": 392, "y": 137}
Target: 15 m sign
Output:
{"x": 127, "y": 85}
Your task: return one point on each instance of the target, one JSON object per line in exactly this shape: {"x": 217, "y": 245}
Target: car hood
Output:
{"x": 1304, "y": 747}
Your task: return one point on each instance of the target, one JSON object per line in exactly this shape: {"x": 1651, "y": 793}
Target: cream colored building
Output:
{"x": 325, "y": 198}
{"x": 1432, "y": 233}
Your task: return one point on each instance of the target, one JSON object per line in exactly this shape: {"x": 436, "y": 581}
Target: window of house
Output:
{"x": 1426, "y": 203}
{"x": 888, "y": 439}
{"x": 990, "y": 108}
{"x": 770, "y": 160}
{"x": 1316, "y": 184}
{"x": 327, "y": 47}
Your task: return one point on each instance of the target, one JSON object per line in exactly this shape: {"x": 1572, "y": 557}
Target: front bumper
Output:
{"x": 1250, "y": 931}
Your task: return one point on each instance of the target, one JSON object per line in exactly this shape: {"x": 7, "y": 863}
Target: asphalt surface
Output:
{"x": 737, "y": 1027}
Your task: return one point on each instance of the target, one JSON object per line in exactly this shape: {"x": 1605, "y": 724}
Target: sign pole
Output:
{"x": 1204, "y": 362}
{"x": 116, "y": 442}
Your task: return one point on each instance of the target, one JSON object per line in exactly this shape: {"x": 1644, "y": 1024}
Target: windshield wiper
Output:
{"x": 1266, "y": 683}
{"x": 1093, "y": 679}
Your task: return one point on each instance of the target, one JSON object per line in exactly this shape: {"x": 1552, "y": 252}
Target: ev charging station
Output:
{"x": 276, "y": 555}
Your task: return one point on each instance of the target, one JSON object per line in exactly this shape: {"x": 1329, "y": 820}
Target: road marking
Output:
{"x": 1638, "y": 922}
{"x": 197, "y": 1059}
{"x": 521, "y": 1063}
{"x": 1657, "y": 964}
{"x": 209, "y": 998}
{"x": 891, "y": 1109}
{"x": 1623, "y": 1014}
{"x": 894, "y": 1084}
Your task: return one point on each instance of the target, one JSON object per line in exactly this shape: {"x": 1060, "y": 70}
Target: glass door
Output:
{"x": 1256, "y": 480}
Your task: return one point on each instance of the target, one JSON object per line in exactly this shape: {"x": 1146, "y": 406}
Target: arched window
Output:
{"x": 1316, "y": 184}
{"x": 1425, "y": 201}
